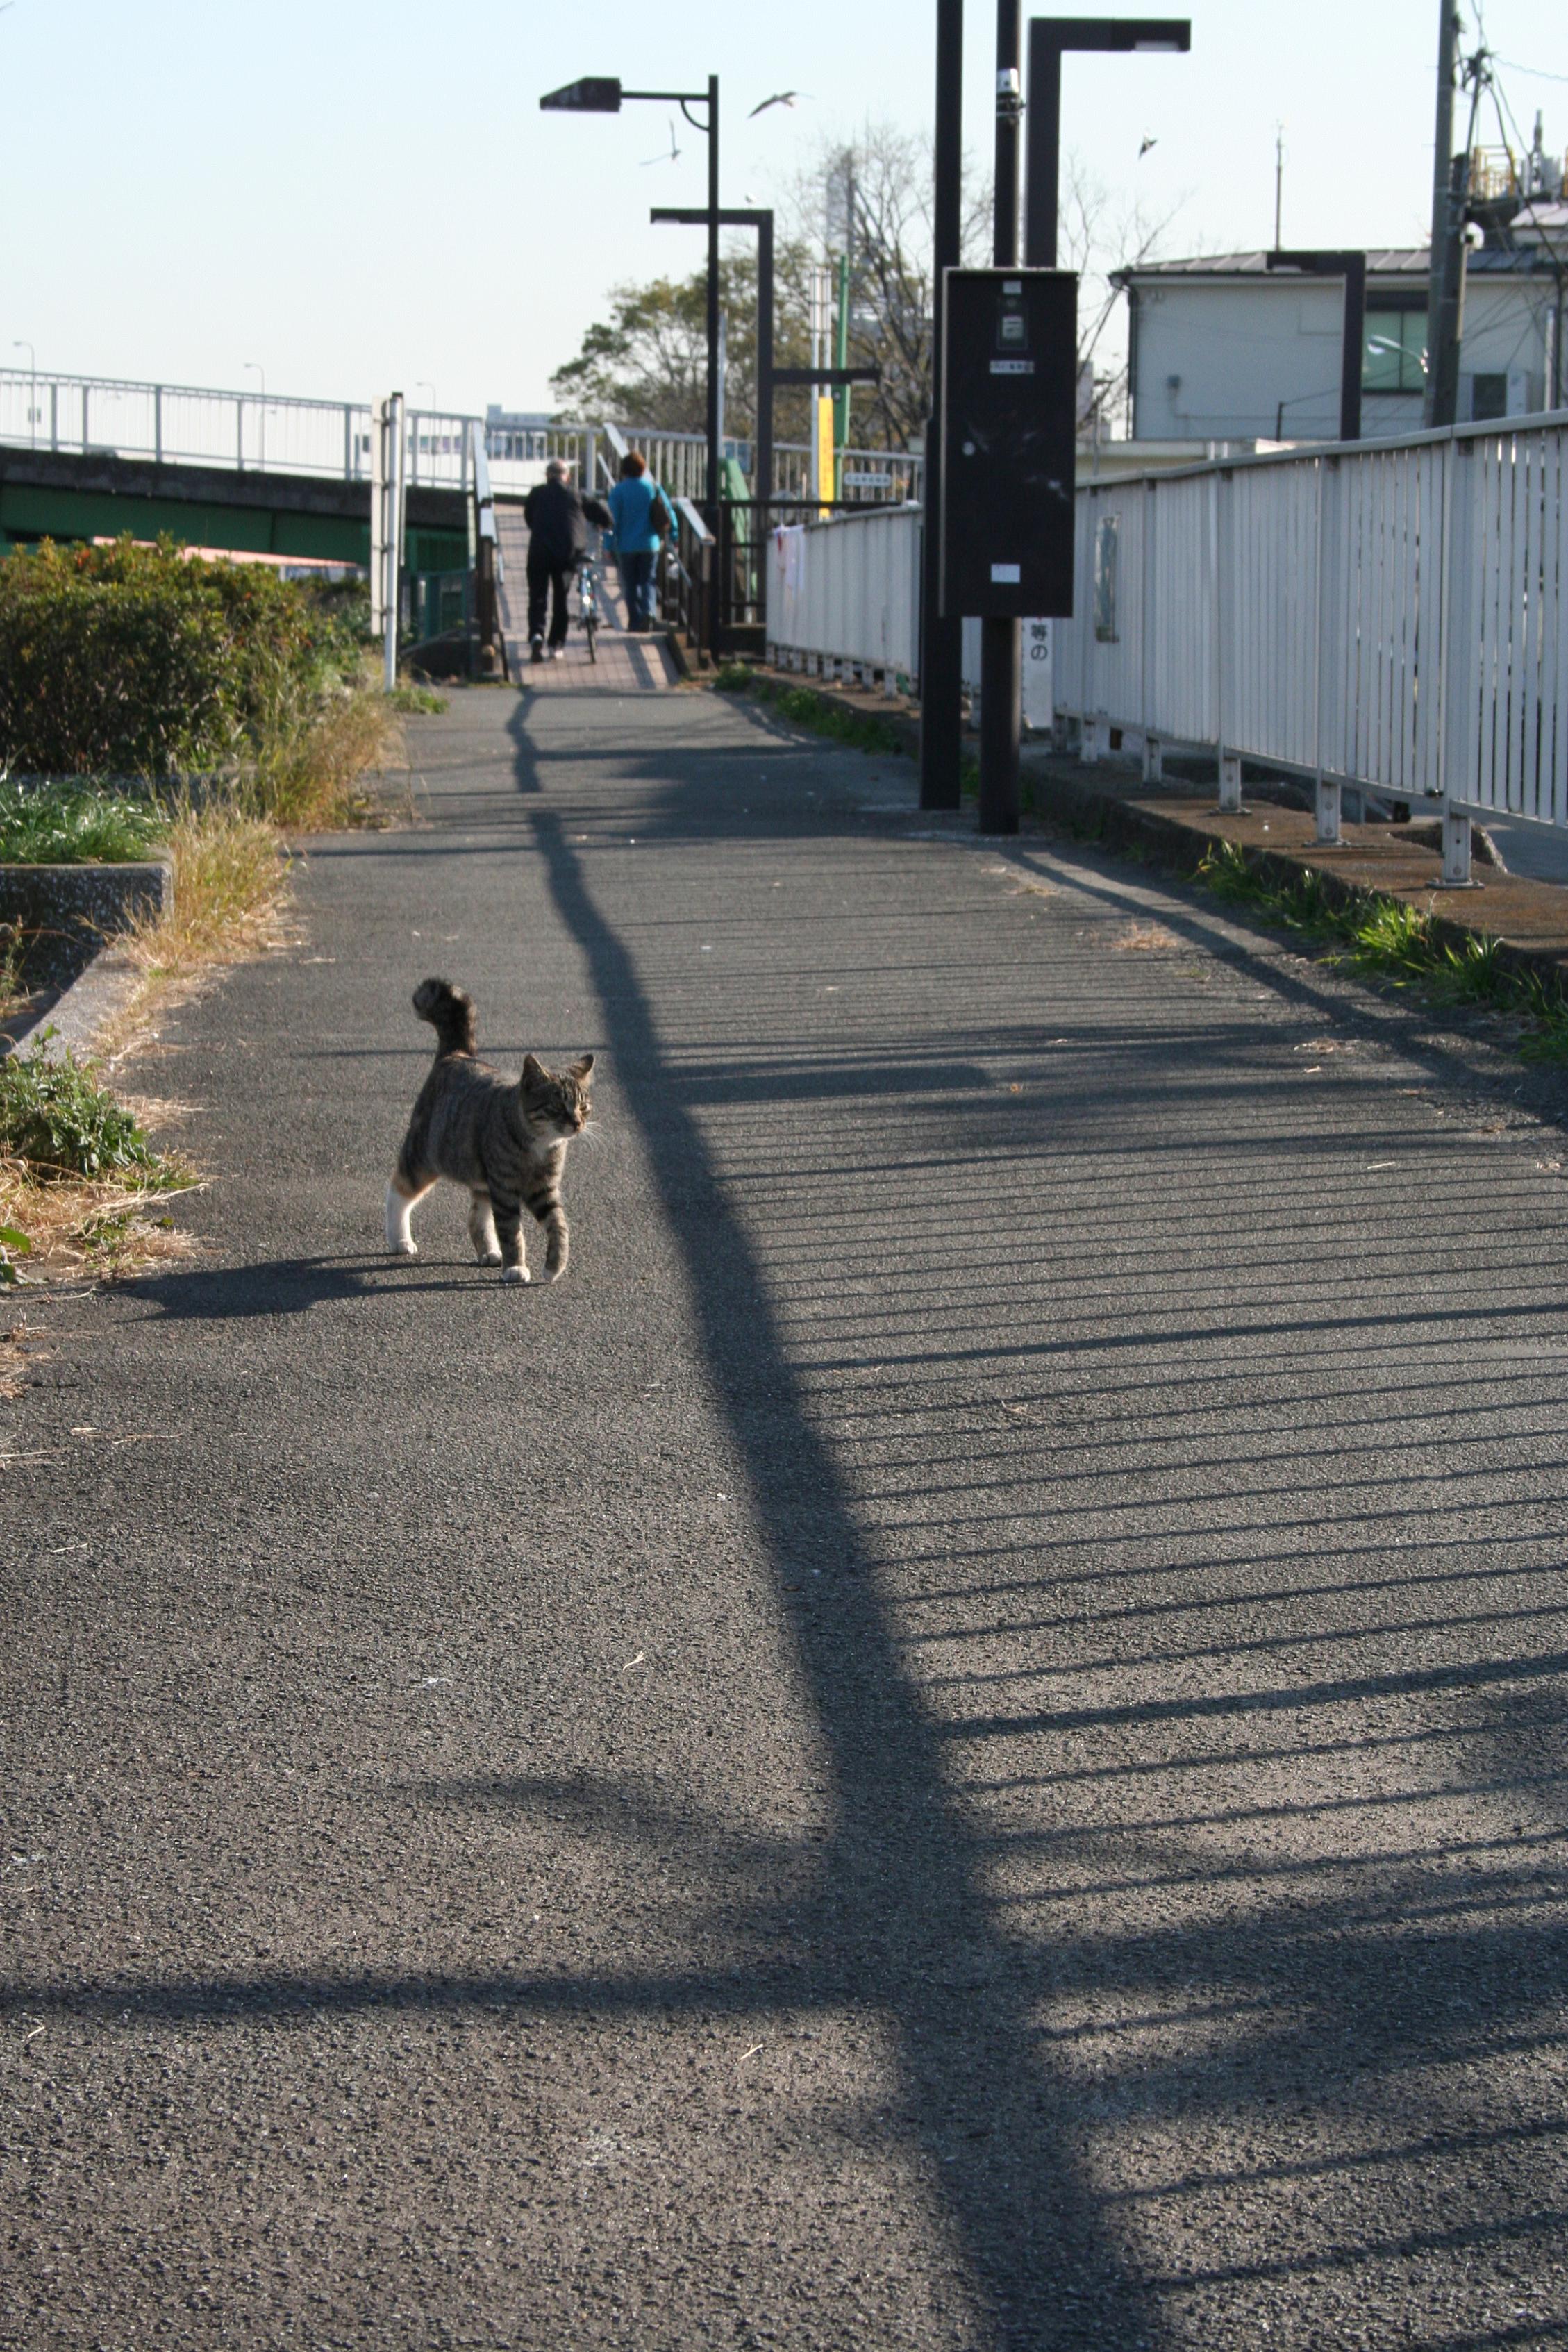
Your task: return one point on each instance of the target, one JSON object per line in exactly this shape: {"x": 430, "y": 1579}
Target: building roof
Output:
{"x": 1389, "y": 261}
{"x": 1408, "y": 261}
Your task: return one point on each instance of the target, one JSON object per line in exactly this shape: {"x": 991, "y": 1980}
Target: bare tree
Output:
{"x": 871, "y": 198}
{"x": 1099, "y": 235}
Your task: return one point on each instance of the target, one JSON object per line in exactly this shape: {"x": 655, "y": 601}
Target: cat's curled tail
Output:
{"x": 450, "y": 1012}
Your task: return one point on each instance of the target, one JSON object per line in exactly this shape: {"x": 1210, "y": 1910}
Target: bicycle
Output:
{"x": 590, "y": 597}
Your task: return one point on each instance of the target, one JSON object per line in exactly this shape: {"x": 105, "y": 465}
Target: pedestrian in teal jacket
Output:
{"x": 639, "y": 513}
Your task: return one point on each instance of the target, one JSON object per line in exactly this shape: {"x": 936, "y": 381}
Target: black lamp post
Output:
{"x": 763, "y": 222}
{"x": 942, "y": 635}
{"x": 601, "y": 94}
{"x": 1049, "y": 38}
{"x": 1352, "y": 268}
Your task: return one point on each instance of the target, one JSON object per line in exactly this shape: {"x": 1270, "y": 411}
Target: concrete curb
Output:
{"x": 869, "y": 707}
{"x": 1103, "y": 817}
{"x": 80, "y": 1013}
{"x": 96, "y": 898}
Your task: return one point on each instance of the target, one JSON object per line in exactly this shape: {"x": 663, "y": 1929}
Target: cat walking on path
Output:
{"x": 504, "y": 1140}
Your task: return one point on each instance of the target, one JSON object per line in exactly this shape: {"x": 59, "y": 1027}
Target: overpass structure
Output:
{"x": 91, "y": 456}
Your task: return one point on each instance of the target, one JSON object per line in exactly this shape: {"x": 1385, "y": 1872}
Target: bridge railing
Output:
{"x": 847, "y": 592}
{"x": 1391, "y": 616}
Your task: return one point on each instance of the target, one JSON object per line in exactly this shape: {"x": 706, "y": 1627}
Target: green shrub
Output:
{"x": 130, "y": 660}
{"x": 67, "y": 824}
{"x": 57, "y": 1118}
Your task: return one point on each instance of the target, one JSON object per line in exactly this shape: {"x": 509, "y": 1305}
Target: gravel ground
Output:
{"x": 957, "y": 1742}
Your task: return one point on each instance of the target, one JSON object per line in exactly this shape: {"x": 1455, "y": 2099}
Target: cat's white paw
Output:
{"x": 405, "y": 1249}
{"x": 489, "y": 1256}
{"x": 514, "y": 1274}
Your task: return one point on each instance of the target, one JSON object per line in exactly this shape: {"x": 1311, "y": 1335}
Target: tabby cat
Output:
{"x": 506, "y": 1143}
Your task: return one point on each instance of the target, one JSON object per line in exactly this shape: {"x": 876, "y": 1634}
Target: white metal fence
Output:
{"x": 1387, "y": 617}
{"x": 260, "y": 432}
{"x": 844, "y": 593}
{"x": 1391, "y": 616}
{"x": 848, "y": 590}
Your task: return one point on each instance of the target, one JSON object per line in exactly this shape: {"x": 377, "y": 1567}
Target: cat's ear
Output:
{"x": 533, "y": 1069}
{"x": 583, "y": 1067}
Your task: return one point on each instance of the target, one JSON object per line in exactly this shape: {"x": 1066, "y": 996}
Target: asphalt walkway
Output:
{"x": 957, "y": 1742}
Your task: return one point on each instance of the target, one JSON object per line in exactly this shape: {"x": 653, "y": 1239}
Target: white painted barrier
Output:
{"x": 1388, "y": 615}
{"x": 848, "y": 590}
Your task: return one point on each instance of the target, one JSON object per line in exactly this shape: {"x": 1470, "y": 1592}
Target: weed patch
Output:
{"x": 77, "y": 1174}
{"x": 1388, "y": 939}
{"x": 417, "y": 699}
{"x": 230, "y": 883}
{"x": 821, "y": 716}
{"x": 59, "y": 1121}
{"x": 61, "y": 824}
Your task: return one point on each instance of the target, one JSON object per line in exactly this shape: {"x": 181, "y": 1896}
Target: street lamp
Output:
{"x": 1049, "y": 38}
{"x": 603, "y": 94}
{"x": 22, "y": 344}
{"x": 1352, "y": 268}
{"x": 256, "y": 368}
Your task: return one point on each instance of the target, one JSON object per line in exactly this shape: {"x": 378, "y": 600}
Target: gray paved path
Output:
{"x": 958, "y": 1741}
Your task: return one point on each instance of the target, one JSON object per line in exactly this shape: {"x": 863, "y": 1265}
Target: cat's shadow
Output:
{"x": 292, "y": 1285}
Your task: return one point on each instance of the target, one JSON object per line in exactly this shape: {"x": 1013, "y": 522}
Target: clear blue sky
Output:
{"x": 361, "y": 197}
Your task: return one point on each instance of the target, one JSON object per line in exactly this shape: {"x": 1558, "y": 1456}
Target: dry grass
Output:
{"x": 231, "y": 881}
{"x": 310, "y": 778}
{"x": 1145, "y": 939}
{"x": 102, "y": 1230}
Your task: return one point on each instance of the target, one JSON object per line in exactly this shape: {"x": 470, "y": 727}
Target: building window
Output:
{"x": 1393, "y": 355}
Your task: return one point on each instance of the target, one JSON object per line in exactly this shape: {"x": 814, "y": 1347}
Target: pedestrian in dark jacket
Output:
{"x": 557, "y": 519}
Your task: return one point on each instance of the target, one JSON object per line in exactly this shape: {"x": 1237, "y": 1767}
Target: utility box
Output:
{"x": 1009, "y": 394}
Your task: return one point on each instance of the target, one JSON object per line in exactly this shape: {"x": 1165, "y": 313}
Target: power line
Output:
{"x": 1536, "y": 73}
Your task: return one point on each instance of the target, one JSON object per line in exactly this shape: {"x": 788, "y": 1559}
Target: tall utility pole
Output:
{"x": 715, "y": 397}
{"x": 999, "y": 636}
{"x": 941, "y": 640}
{"x": 1444, "y": 290}
{"x": 1279, "y": 180}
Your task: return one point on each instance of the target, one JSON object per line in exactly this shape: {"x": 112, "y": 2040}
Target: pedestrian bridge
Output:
{"x": 622, "y": 663}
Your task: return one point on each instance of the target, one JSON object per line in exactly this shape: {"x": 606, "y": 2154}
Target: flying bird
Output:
{"x": 673, "y": 156}
{"x": 1148, "y": 142}
{"x": 779, "y": 98}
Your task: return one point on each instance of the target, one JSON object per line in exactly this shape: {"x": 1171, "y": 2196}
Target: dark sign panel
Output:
{"x": 1009, "y": 367}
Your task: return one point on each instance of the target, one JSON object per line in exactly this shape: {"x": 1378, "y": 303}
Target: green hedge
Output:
{"x": 128, "y": 660}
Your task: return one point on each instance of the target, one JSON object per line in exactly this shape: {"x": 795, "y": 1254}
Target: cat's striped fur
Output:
{"x": 505, "y": 1141}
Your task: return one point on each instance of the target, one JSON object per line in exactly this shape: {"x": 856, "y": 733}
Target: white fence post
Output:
{"x": 1326, "y": 793}
{"x": 1461, "y": 716}
{"x": 1224, "y": 657}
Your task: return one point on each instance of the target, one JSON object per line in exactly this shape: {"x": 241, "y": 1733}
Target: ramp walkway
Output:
{"x": 626, "y": 664}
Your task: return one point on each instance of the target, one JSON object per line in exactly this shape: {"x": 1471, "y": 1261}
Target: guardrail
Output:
{"x": 847, "y": 591}
{"x": 1387, "y": 617}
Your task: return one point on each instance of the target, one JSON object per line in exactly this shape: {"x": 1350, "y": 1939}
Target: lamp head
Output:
{"x": 597, "y": 94}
